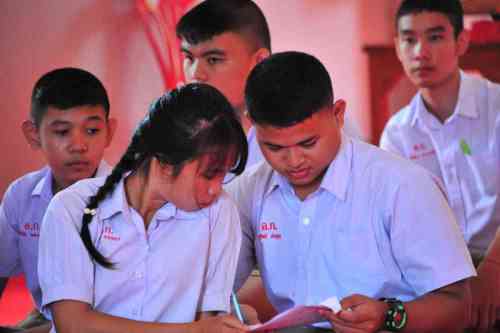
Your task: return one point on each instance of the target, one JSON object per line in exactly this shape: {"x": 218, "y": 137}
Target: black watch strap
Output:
{"x": 396, "y": 316}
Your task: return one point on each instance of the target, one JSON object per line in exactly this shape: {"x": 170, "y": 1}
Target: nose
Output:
{"x": 197, "y": 72}
{"x": 421, "y": 50}
{"x": 294, "y": 157}
{"x": 78, "y": 143}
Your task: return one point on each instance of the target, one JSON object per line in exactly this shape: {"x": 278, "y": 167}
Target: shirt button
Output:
{"x": 306, "y": 221}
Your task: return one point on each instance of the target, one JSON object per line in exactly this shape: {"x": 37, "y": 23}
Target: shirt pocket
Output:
{"x": 356, "y": 263}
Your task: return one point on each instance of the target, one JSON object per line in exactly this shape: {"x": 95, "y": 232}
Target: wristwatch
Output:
{"x": 396, "y": 316}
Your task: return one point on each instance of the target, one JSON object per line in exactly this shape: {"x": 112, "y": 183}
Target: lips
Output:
{"x": 423, "y": 69}
{"x": 299, "y": 174}
{"x": 79, "y": 165}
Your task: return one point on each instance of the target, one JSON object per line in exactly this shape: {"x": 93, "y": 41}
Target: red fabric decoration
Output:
{"x": 159, "y": 18}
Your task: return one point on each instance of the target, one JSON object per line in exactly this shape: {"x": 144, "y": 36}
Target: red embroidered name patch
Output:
{"x": 269, "y": 231}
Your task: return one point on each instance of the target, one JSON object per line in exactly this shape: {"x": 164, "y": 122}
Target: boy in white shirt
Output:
{"x": 222, "y": 41}
{"x": 452, "y": 128}
{"x": 331, "y": 216}
{"x": 70, "y": 124}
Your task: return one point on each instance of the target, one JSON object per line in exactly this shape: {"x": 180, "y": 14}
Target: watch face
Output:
{"x": 396, "y": 316}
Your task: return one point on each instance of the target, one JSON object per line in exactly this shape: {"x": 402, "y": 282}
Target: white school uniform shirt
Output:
{"x": 184, "y": 263}
{"x": 377, "y": 225}
{"x": 21, "y": 214}
{"x": 463, "y": 152}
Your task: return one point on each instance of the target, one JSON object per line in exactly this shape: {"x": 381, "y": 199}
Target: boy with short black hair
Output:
{"x": 332, "y": 216}
{"x": 222, "y": 41}
{"x": 452, "y": 128}
{"x": 70, "y": 124}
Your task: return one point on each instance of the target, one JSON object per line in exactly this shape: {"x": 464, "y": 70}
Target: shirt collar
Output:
{"x": 44, "y": 186}
{"x": 117, "y": 203}
{"x": 336, "y": 178}
{"x": 466, "y": 105}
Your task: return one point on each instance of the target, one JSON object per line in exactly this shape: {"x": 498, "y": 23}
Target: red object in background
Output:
{"x": 15, "y": 303}
{"x": 159, "y": 18}
{"x": 484, "y": 32}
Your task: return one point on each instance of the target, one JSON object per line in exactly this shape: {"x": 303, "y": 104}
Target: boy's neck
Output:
{"x": 441, "y": 100}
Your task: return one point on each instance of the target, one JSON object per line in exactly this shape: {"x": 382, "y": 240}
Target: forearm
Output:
{"x": 72, "y": 317}
{"x": 445, "y": 310}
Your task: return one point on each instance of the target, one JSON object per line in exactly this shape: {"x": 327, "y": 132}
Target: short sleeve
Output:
{"x": 242, "y": 196}
{"x": 426, "y": 240}
{"x": 65, "y": 269}
{"x": 390, "y": 140}
{"x": 225, "y": 242}
{"x": 10, "y": 260}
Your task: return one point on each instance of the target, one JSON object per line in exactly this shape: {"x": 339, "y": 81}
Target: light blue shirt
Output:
{"x": 21, "y": 214}
{"x": 377, "y": 225}
{"x": 463, "y": 153}
{"x": 184, "y": 263}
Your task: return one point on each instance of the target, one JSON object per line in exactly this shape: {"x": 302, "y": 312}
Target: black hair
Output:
{"x": 214, "y": 17}
{"x": 180, "y": 126}
{"x": 66, "y": 88}
{"x": 287, "y": 88}
{"x": 452, "y": 9}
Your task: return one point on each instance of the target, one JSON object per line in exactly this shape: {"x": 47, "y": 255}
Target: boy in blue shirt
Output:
{"x": 332, "y": 216}
{"x": 70, "y": 125}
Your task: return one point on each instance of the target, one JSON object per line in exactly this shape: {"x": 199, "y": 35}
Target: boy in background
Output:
{"x": 70, "y": 125}
{"x": 222, "y": 41}
{"x": 452, "y": 128}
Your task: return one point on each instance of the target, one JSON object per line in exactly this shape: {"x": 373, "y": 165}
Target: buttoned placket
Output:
{"x": 306, "y": 224}
{"x": 445, "y": 143}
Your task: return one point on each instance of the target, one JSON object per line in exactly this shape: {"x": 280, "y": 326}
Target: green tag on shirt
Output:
{"x": 465, "y": 147}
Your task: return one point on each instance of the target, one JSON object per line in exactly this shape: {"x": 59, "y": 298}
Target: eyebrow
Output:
{"x": 430, "y": 30}
{"x": 59, "y": 122}
{"x": 295, "y": 144}
{"x": 212, "y": 52}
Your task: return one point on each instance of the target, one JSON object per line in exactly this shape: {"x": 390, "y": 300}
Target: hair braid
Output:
{"x": 127, "y": 163}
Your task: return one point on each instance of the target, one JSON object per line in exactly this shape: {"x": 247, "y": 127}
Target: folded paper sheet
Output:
{"x": 298, "y": 316}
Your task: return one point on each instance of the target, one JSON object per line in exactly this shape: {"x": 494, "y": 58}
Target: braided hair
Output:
{"x": 180, "y": 126}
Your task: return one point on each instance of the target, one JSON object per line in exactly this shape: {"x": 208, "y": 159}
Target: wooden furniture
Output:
{"x": 385, "y": 71}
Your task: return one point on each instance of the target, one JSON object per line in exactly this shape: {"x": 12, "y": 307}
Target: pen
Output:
{"x": 236, "y": 306}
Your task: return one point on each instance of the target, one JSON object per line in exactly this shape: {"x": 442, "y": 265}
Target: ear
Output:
{"x": 31, "y": 134}
{"x": 111, "y": 124}
{"x": 339, "y": 112}
{"x": 260, "y": 55}
{"x": 463, "y": 41}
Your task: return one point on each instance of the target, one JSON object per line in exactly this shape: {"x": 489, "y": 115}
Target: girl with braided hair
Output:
{"x": 153, "y": 247}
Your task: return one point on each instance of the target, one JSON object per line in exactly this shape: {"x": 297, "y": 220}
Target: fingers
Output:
{"x": 250, "y": 314}
{"x": 352, "y": 301}
{"x": 232, "y": 322}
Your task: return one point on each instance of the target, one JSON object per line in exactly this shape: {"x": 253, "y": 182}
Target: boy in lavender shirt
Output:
{"x": 70, "y": 125}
